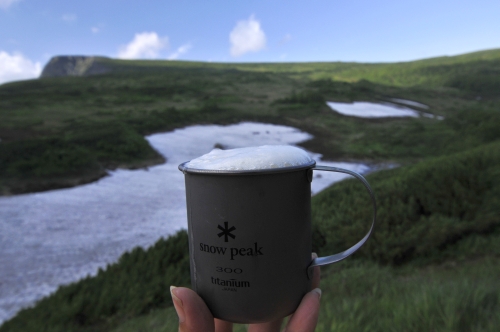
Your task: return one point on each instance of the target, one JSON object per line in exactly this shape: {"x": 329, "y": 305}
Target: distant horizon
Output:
{"x": 242, "y": 63}
{"x": 273, "y": 62}
{"x": 220, "y": 31}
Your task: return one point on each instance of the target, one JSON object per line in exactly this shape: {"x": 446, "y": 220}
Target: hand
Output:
{"x": 194, "y": 315}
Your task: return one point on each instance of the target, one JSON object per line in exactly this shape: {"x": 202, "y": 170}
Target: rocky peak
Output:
{"x": 74, "y": 66}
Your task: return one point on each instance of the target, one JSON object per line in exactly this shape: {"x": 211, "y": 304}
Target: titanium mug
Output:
{"x": 250, "y": 239}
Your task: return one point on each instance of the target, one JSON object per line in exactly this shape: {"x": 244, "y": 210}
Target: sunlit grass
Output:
{"x": 369, "y": 297}
{"x": 463, "y": 297}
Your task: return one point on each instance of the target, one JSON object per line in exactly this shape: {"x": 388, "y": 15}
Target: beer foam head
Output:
{"x": 252, "y": 158}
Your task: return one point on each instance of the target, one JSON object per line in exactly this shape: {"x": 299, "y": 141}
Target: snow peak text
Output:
{"x": 233, "y": 252}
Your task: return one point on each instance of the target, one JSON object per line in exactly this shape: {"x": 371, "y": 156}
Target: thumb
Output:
{"x": 305, "y": 317}
{"x": 193, "y": 313}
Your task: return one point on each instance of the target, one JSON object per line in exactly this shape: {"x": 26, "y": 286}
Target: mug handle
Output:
{"x": 344, "y": 254}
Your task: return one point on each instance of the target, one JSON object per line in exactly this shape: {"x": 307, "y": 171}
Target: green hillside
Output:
{"x": 432, "y": 264}
{"x": 444, "y": 210}
{"x": 63, "y": 131}
{"x": 440, "y": 71}
{"x": 435, "y": 71}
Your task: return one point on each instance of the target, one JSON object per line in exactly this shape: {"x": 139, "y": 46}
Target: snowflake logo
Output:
{"x": 226, "y": 231}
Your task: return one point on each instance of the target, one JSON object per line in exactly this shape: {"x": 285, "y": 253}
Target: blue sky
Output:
{"x": 32, "y": 31}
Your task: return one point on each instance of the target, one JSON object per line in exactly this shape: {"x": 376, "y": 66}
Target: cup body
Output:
{"x": 250, "y": 240}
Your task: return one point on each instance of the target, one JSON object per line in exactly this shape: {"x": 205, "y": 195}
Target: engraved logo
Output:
{"x": 226, "y": 231}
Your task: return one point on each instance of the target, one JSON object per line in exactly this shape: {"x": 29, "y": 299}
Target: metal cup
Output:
{"x": 250, "y": 239}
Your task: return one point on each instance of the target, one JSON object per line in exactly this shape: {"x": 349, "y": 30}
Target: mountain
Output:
{"x": 74, "y": 66}
{"x": 482, "y": 67}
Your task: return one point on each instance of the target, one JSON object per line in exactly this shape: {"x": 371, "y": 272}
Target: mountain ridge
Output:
{"x": 80, "y": 65}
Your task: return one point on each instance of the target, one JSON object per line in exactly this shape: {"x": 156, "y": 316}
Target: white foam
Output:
{"x": 251, "y": 158}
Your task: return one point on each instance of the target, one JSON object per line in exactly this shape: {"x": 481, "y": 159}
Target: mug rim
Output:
{"x": 184, "y": 169}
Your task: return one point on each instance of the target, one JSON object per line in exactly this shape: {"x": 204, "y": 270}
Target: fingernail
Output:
{"x": 177, "y": 304}
{"x": 317, "y": 291}
{"x": 314, "y": 255}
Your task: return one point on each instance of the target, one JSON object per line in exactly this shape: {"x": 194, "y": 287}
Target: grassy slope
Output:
{"x": 448, "y": 283}
{"x": 440, "y": 71}
{"x": 368, "y": 297}
{"x": 451, "y": 217}
{"x": 58, "y": 132}
{"x": 441, "y": 235}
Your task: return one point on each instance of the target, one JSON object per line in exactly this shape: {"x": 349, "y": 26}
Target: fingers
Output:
{"x": 273, "y": 326}
{"x": 194, "y": 315}
{"x": 306, "y": 316}
{"x": 222, "y": 326}
{"x": 316, "y": 274}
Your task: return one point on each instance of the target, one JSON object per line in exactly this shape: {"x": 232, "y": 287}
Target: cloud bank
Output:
{"x": 247, "y": 36}
{"x": 17, "y": 67}
{"x": 146, "y": 45}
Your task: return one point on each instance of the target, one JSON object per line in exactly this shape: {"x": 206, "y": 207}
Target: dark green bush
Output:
{"x": 303, "y": 98}
{"x": 422, "y": 209}
{"x": 44, "y": 157}
{"x": 85, "y": 148}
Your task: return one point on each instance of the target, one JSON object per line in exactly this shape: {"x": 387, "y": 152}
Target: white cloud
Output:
{"x": 6, "y": 3}
{"x": 94, "y": 29}
{"x": 247, "y": 36}
{"x": 181, "y": 50}
{"x": 16, "y": 67}
{"x": 69, "y": 17}
{"x": 144, "y": 45}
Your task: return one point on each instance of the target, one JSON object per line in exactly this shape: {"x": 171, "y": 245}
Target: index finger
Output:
{"x": 223, "y": 326}
{"x": 316, "y": 274}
